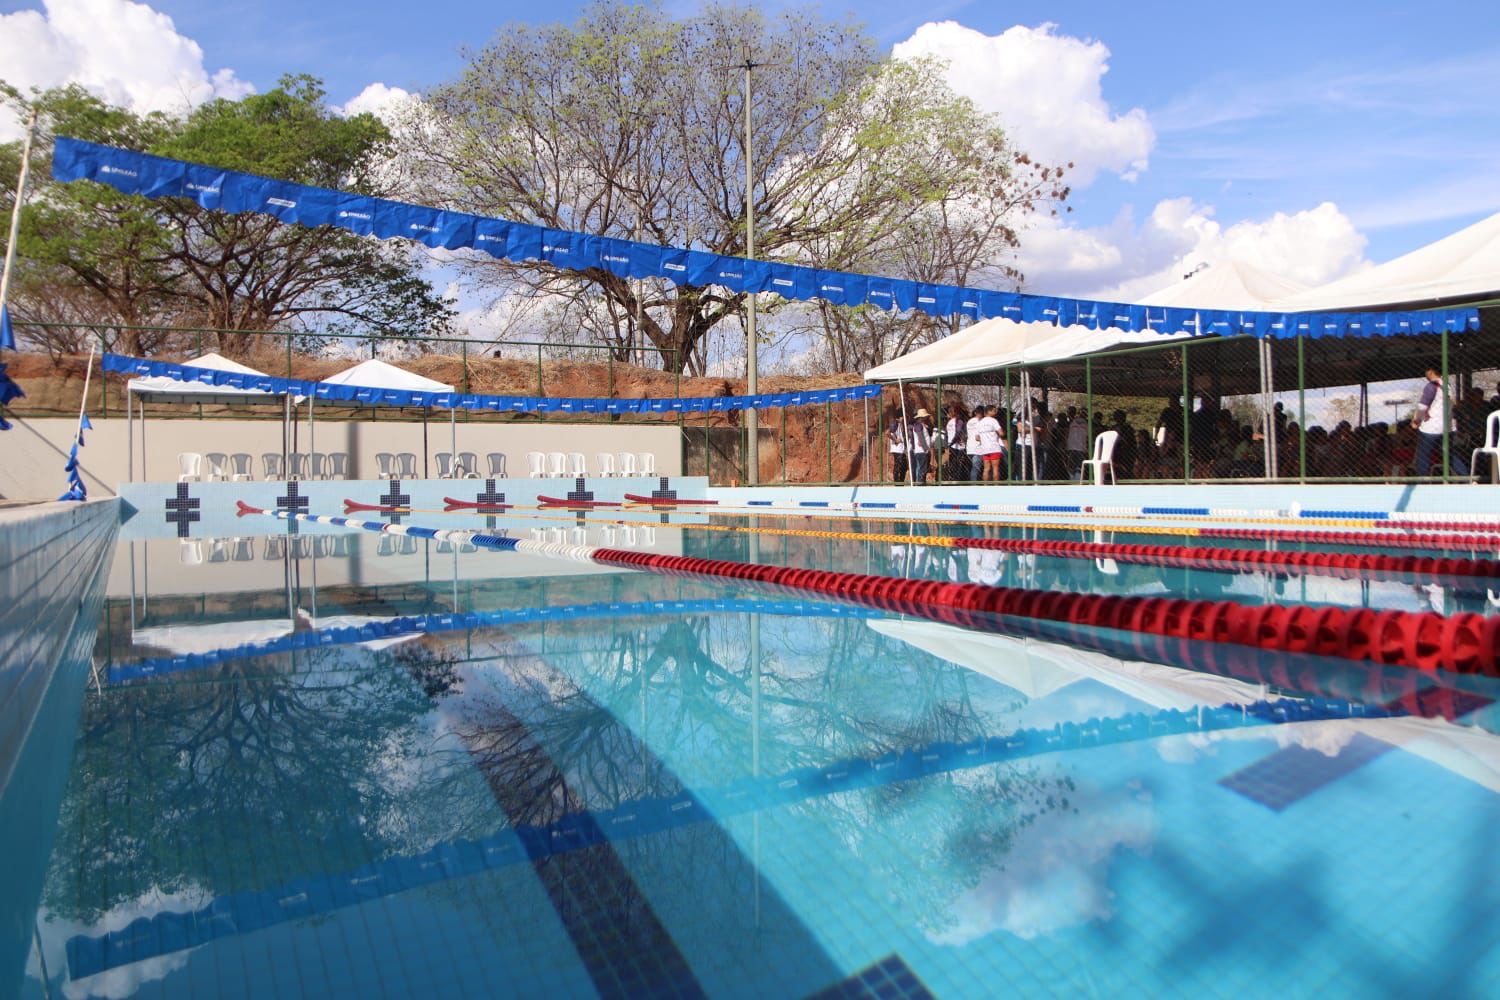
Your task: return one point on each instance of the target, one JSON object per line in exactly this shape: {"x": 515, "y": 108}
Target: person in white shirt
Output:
{"x": 991, "y": 447}
{"x": 1078, "y": 442}
{"x": 895, "y": 439}
{"x": 971, "y": 430}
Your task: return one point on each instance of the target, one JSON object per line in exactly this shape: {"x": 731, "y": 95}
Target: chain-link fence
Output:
{"x": 1376, "y": 409}
{"x": 1195, "y": 410}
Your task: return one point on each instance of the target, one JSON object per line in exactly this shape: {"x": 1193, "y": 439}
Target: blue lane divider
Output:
{"x": 457, "y": 621}
{"x": 1179, "y": 511}
{"x": 1049, "y": 508}
{"x": 953, "y": 506}
{"x": 244, "y": 912}
{"x": 1370, "y": 515}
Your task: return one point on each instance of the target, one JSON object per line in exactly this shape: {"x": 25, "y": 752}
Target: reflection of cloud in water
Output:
{"x": 124, "y": 980}
{"x": 1056, "y": 873}
{"x": 1327, "y": 738}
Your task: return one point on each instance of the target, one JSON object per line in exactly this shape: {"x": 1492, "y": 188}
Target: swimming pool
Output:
{"x": 319, "y": 761}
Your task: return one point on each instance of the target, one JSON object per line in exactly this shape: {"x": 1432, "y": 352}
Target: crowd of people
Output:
{"x": 994, "y": 444}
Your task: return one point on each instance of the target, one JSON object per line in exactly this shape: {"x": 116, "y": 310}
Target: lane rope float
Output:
{"x": 1463, "y": 643}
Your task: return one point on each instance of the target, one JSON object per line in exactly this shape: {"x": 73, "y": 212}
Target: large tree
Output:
{"x": 631, "y": 124}
{"x": 130, "y": 262}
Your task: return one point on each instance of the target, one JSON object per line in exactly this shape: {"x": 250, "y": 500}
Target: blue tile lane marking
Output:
{"x": 246, "y": 911}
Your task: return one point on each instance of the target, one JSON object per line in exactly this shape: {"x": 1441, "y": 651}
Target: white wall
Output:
{"x": 35, "y": 450}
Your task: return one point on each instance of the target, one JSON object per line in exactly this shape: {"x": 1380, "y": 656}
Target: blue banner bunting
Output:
{"x": 373, "y": 396}
{"x": 234, "y": 192}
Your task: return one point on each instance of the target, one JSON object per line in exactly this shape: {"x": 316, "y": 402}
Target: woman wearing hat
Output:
{"x": 919, "y": 438}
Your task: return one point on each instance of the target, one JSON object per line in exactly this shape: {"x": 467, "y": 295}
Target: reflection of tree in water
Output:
{"x": 830, "y": 689}
{"x": 246, "y": 777}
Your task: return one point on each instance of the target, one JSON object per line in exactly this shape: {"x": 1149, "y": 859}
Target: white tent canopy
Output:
{"x": 1002, "y": 343}
{"x": 159, "y": 388}
{"x": 1463, "y": 267}
{"x": 377, "y": 374}
{"x": 1229, "y": 284}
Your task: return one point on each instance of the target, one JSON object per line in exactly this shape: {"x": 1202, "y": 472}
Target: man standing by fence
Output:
{"x": 1432, "y": 421}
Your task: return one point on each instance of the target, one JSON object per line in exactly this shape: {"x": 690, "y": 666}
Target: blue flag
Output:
{"x": 7, "y": 335}
{"x": 86, "y": 424}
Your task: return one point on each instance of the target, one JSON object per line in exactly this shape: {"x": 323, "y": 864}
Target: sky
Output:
{"x": 1308, "y": 138}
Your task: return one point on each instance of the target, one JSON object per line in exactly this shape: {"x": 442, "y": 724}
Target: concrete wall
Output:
{"x": 54, "y": 559}
{"x": 36, "y": 449}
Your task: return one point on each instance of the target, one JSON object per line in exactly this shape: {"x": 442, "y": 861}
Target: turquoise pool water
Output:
{"x": 329, "y": 765}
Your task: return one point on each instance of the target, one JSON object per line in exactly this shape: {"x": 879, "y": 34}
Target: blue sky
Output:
{"x": 1253, "y": 116}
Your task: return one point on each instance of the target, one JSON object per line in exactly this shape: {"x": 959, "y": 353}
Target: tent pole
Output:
{"x": 901, "y": 391}
{"x": 865, "y": 465}
{"x": 426, "y": 412}
{"x": 129, "y": 441}
{"x": 453, "y": 438}
{"x": 286, "y": 416}
{"x": 312, "y": 434}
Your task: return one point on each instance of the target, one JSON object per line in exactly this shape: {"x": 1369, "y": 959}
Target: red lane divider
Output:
{"x": 1461, "y": 643}
{"x": 1412, "y": 540}
{"x": 1348, "y": 565}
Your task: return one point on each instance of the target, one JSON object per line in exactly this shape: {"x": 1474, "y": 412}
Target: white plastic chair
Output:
{"x": 385, "y": 462}
{"x": 190, "y": 552}
{"x": 627, "y": 463}
{"x": 218, "y": 467}
{"x": 1490, "y": 448}
{"x": 557, "y": 463}
{"x": 606, "y": 463}
{"x": 298, "y": 460}
{"x": 497, "y": 464}
{"x": 270, "y": 461}
{"x": 406, "y": 464}
{"x": 318, "y": 465}
{"x": 577, "y": 467}
{"x": 1104, "y": 457}
{"x": 648, "y": 463}
{"x": 239, "y": 467}
{"x": 445, "y": 465}
{"x": 468, "y": 465}
{"x": 188, "y": 464}
{"x": 537, "y": 464}
{"x": 338, "y": 465}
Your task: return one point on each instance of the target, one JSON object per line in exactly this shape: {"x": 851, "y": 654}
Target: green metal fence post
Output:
{"x": 1447, "y": 402}
{"x": 937, "y": 419}
{"x": 1301, "y": 408}
{"x": 1187, "y": 412}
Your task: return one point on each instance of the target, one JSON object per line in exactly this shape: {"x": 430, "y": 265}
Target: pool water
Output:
{"x": 434, "y": 774}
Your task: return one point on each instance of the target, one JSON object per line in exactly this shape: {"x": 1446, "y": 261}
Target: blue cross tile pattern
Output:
{"x": 663, "y": 491}
{"x": 394, "y": 498}
{"x": 490, "y": 496}
{"x": 888, "y": 979}
{"x": 578, "y": 492}
{"x": 1293, "y": 773}
{"x": 293, "y": 500}
{"x": 183, "y": 510}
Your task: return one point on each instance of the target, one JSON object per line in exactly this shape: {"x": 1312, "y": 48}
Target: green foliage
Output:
{"x": 92, "y": 254}
{"x": 631, "y": 123}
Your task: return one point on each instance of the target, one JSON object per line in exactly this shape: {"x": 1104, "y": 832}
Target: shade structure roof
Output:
{"x": 1229, "y": 284}
{"x": 1002, "y": 343}
{"x": 164, "y": 389}
{"x": 1463, "y": 268}
{"x": 377, "y": 374}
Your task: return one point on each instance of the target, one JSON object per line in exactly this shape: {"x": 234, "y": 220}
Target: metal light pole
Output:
{"x": 752, "y": 416}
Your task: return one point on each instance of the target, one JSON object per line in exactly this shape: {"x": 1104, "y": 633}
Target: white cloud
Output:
{"x": 386, "y": 103}
{"x": 126, "y": 53}
{"x": 1123, "y": 261}
{"x": 1047, "y": 90}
